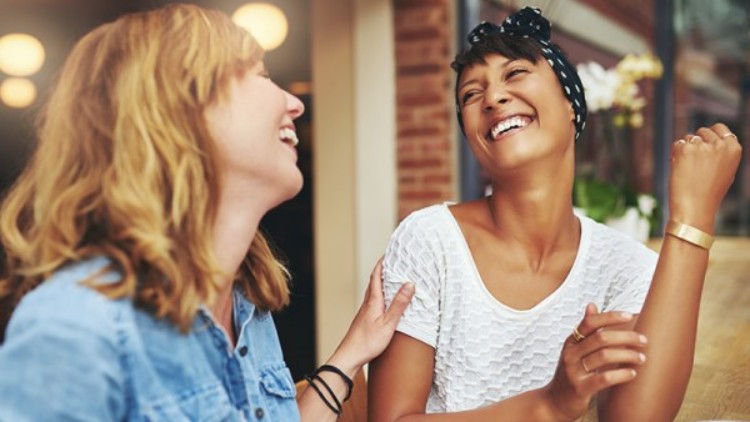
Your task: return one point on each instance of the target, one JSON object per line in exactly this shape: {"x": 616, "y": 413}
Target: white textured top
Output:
{"x": 486, "y": 351}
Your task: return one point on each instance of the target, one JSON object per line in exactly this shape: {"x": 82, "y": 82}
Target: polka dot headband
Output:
{"x": 529, "y": 23}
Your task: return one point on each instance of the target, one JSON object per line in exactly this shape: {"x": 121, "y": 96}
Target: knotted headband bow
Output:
{"x": 529, "y": 23}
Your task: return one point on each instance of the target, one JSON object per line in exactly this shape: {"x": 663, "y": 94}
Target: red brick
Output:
{"x": 417, "y": 163}
{"x": 439, "y": 179}
{"x": 424, "y": 84}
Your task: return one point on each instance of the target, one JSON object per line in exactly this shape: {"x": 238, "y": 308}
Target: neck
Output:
{"x": 237, "y": 219}
{"x": 534, "y": 208}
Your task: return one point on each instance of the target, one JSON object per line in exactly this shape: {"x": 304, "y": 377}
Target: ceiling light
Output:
{"x": 17, "y": 92}
{"x": 20, "y": 54}
{"x": 266, "y": 22}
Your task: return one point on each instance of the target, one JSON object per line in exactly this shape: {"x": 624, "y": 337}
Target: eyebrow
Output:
{"x": 502, "y": 66}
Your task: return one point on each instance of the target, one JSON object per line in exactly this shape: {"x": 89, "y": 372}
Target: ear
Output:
{"x": 571, "y": 112}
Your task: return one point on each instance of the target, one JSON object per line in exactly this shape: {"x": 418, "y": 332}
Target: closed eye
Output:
{"x": 514, "y": 72}
{"x": 468, "y": 95}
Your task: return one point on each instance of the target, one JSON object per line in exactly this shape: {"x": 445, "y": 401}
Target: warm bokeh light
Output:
{"x": 17, "y": 92}
{"x": 20, "y": 54}
{"x": 300, "y": 88}
{"x": 265, "y": 21}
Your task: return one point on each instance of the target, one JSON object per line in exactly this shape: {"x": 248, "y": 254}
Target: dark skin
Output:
{"x": 644, "y": 359}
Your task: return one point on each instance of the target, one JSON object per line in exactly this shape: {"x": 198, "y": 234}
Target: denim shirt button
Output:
{"x": 259, "y": 413}
{"x": 243, "y": 352}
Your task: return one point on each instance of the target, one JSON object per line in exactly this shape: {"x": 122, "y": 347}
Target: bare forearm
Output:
{"x": 312, "y": 407}
{"x": 703, "y": 168}
{"x": 669, "y": 321}
{"x": 529, "y": 406}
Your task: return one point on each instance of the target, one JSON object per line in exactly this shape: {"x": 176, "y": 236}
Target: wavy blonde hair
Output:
{"x": 125, "y": 167}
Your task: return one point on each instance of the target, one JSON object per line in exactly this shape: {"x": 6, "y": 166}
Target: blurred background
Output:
{"x": 379, "y": 138}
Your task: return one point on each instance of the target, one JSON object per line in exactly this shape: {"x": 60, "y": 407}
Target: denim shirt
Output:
{"x": 70, "y": 353}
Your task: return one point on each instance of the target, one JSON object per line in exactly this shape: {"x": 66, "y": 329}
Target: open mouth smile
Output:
{"x": 508, "y": 126}
{"x": 289, "y": 137}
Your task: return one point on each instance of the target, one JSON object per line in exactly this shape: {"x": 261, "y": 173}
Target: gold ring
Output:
{"x": 584, "y": 366}
{"x": 729, "y": 135}
{"x": 577, "y": 336}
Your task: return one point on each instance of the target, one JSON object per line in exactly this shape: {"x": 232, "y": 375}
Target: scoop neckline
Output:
{"x": 581, "y": 254}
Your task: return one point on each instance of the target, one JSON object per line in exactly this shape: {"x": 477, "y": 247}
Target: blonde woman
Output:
{"x": 139, "y": 285}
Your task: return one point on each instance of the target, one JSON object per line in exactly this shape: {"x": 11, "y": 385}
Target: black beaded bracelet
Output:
{"x": 335, "y": 370}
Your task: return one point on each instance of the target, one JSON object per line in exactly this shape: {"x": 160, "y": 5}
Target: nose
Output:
{"x": 294, "y": 105}
{"x": 495, "y": 97}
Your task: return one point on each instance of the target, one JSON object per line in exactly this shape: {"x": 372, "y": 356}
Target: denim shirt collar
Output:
{"x": 243, "y": 310}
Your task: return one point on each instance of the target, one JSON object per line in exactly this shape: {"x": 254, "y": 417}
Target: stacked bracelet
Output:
{"x": 337, "y": 409}
{"x": 339, "y": 372}
{"x": 689, "y": 234}
{"x": 336, "y": 406}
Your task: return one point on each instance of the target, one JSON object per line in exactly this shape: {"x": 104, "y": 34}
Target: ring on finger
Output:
{"x": 695, "y": 138}
{"x": 585, "y": 368}
{"x": 577, "y": 336}
{"x": 729, "y": 135}
{"x": 680, "y": 141}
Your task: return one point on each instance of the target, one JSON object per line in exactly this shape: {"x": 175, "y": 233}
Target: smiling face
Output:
{"x": 255, "y": 136}
{"x": 514, "y": 112}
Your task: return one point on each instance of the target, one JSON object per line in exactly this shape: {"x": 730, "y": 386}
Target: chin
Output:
{"x": 293, "y": 188}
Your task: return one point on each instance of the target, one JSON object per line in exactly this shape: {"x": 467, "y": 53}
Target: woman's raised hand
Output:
{"x": 703, "y": 168}
{"x": 374, "y": 325}
{"x": 594, "y": 358}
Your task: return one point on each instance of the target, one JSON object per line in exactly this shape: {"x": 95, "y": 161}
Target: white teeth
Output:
{"x": 512, "y": 122}
{"x": 288, "y": 135}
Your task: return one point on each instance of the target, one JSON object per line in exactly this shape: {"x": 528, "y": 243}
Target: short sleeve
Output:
{"x": 60, "y": 362}
{"x": 411, "y": 256}
{"x": 630, "y": 287}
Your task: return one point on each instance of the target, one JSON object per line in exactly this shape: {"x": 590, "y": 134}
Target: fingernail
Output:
{"x": 409, "y": 287}
{"x": 641, "y": 357}
{"x": 633, "y": 373}
{"x": 626, "y": 315}
{"x": 642, "y": 339}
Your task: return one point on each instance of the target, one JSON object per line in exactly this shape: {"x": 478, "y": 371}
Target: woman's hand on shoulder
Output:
{"x": 703, "y": 169}
{"x": 593, "y": 359}
{"x": 373, "y": 326}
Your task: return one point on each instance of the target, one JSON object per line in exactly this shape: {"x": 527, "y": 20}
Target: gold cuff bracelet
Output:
{"x": 689, "y": 234}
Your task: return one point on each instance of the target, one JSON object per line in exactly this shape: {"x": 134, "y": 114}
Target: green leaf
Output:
{"x": 599, "y": 199}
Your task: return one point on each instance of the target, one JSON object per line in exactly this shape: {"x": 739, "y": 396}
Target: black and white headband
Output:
{"x": 529, "y": 23}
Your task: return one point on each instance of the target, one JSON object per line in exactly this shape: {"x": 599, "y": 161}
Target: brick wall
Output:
{"x": 424, "y": 80}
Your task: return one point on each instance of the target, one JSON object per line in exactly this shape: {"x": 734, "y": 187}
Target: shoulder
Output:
{"x": 64, "y": 299}
{"x": 615, "y": 247}
{"x": 422, "y": 231}
{"x": 65, "y": 344}
{"x": 418, "y": 248}
{"x": 432, "y": 219}
{"x": 427, "y": 214}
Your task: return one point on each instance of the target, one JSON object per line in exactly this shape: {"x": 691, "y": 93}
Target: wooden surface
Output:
{"x": 719, "y": 387}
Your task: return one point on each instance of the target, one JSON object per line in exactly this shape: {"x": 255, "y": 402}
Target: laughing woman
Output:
{"x": 141, "y": 286}
{"x": 525, "y": 311}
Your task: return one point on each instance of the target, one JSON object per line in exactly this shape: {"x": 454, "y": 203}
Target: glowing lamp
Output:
{"x": 20, "y": 54}
{"x": 17, "y": 92}
{"x": 266, "y": 22}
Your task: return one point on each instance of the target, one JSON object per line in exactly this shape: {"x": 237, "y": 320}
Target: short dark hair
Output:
{"x": 507, "y": 45}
